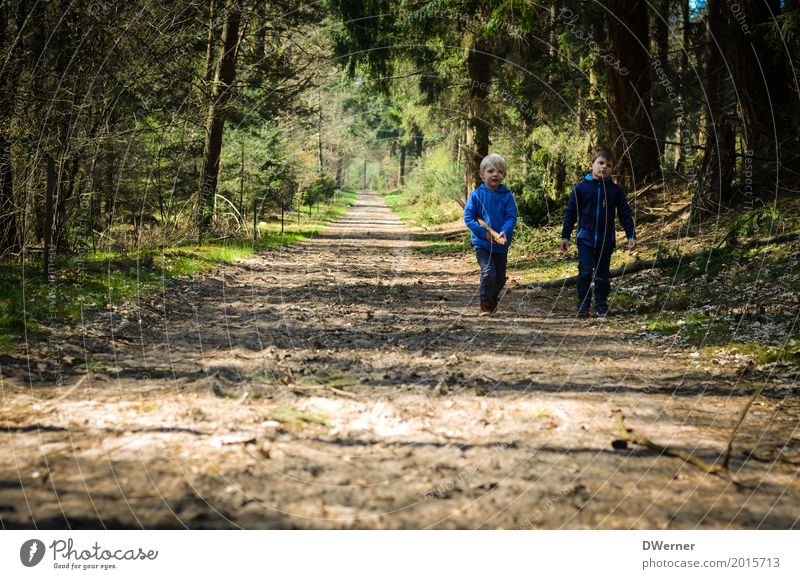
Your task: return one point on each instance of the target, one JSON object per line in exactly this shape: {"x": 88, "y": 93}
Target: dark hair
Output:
{"x": 605, "y": 154}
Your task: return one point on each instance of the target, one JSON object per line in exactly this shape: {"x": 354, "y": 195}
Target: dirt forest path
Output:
{"x": 347, "y": 382}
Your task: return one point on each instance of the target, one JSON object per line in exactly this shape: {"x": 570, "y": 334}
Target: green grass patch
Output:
{"x": 758, "y": 353}
{"x": 145, "y": 407}
{"x": 446, "y": 247}
{"x": 624, "y": 300}
{"x": 544, "y": 269}
{"x": 536, "y": 254}
{"x": 88, "y": 364}
{"x": 539, "y": 413}
{"x": 84, "y": 284}
{"x": 693, "y": 329}
{"x": 403, "y": 207}
{"x": 337, "y": 379}
{"x": 428, "y": 196}
{"x": 96, "y": 281}
{"x": 341, "y": 381}
{"x": 303, "y": 224}
{"x": 294, "y": 419}
{"x": 662, "y": 325}
{"x": 424, "y": 208}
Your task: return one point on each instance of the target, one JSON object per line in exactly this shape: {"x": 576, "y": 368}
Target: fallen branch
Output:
{"x": 636, "y": 194}
{"x": 667, "y": 261}
{"x": 70, "y": 390}
{"x": 334, "y": 389}
{"x": 729, "y": 449}
{"x": 628, "y": 435}
{"x": 616, "y": 272}
{"x": 480, "y": 221}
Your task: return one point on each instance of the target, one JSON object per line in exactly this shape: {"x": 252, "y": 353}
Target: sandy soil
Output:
{"x": 348, "y": 382}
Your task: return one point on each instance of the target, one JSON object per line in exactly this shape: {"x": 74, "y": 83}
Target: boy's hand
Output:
{"x": 500, "y": 239}
{"x": 631, "y": 244}
{"x": 564, "y": 245}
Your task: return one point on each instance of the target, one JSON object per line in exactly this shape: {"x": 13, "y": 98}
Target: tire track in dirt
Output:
{"x": 418, "y": 413}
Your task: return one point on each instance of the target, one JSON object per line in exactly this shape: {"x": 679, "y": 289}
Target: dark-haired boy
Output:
{"x": 593, "y": 203}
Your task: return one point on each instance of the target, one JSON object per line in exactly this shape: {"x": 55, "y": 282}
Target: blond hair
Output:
{"x": 493, "y": 161}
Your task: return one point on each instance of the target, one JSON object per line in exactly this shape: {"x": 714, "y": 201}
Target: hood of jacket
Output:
{"x": 608, "y": 180}
{"x": 500, "y": 190}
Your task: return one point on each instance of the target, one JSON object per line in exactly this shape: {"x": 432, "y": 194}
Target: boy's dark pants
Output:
{"x": 595, "y": 261}
{"x": 493, "y": 273}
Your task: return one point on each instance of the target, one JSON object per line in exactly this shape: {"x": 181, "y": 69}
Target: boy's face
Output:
{"x": 601, "y": 168}
{"x": 493, "y": 176}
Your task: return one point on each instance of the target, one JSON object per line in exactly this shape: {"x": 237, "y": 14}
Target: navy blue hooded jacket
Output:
{"x": 593, "y": 202}
{"x": 498, "y": 209}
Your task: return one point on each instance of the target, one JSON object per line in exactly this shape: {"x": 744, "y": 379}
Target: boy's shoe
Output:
{"x": 487, "y": 308}
{"x": 583, "y": 313}
{"x": 603, "y": 311}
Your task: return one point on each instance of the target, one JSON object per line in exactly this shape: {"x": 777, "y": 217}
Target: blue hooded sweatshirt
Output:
{"x": 594, "y": 203}
{"x": 498, "y": 209}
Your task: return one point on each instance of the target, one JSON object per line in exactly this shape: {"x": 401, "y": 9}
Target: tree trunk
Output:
{"x": 8, "y": 211}
{"x": 241, "y": 186}
{"x": 320, "y": 160}
{"x": 661, "y": 32}
{"x": 49, "y": 210}
{"x": 209, "y": 75}
{"x": 401, "y": 178}
{"x": 109, "y": 191}
{"x": 527, "y": 150}
{"x": 760, "y": 75}
{"x": 455, "y": 140}
{"x": 417, "y": 141}
{"x": 364, "y": 176}
{"x": 339, "y": 170}
{"x": 90, "y": 207}
{"x": 718, "y": 165}
{"x": 226, "y": 74}
{"x": 8, "y": 80}
{"x": 65, "y": 195}
{"x": 716, "y": 38}
{"x": 663, "y": 114}
{"x": 791, "y": 18}
{"x": 259, "y": 47}
{"x": 559, "y": 173}
{"x": 8, "y": 225}
{"x": 479, "y": 67}
{"x": 718, "y": 161}
{"x": 630, "y": 131}
{"x": 255, "y": 220}
{"x": 681, "y": 133}
{"x": 592, "y": 123}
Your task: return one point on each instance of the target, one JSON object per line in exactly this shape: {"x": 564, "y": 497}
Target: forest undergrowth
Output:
{"x": 109, "y": 277}
{"x": 727, "y": 292}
